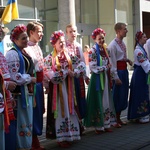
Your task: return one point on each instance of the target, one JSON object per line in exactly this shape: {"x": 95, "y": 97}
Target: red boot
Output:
{"x": 36, "y": 144}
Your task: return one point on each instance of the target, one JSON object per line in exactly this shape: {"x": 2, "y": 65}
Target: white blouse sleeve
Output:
{"x": 93, "y": 63}
{"x": 141, "y": 60}
{"x": 79, "y": 66}
{"x": 12, "y": 59}
{"x": 56, "y": 76}
{"x": 113, "y": 53}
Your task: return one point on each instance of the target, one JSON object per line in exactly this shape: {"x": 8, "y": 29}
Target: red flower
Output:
{"x": 90, "y": 59}
{"x": 139, "y": 54}
{"x": 22, "y": 133}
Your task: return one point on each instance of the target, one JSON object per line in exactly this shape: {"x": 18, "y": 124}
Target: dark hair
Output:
{"x": 138, "y": 36}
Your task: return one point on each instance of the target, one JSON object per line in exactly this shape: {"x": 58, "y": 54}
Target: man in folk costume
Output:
{"x": 119, "y": 60}
{"x": 74, "y": 48}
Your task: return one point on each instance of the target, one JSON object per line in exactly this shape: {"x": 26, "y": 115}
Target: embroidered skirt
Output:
{"x": 139, "y": 95}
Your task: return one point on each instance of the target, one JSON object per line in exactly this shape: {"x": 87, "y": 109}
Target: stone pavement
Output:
{"x": 133, "y": 136}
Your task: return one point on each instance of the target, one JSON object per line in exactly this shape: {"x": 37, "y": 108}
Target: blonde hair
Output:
{"x": 32, "y": 26}
{"x": 86, "y": 46}
{"x": 70, "y": 26}
{"x": 118, "y": 26}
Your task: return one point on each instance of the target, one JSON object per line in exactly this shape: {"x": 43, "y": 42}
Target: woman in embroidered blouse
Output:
{"x": 59, "y": 70}
{"x": 10, "y": 119}
{"x": 20, "y": 66}
{"x": 35, "y": 33}
{"x": 139, "y": 107}
{"x": 100, "y": 110}
{"x": 6, "y": 113}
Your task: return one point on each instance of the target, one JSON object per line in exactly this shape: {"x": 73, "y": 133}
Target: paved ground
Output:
{"x": 133, "y": 136}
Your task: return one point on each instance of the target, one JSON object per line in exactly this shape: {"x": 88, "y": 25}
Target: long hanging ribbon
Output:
{"x": 54, "y": 98}
{"x": 6, "y": 117}
{"x": 21, "y": 70}
{"x": 34, "y": 91}
{"x": 99, "y": 78}
{"x": 70, "y": 85}
{"x": 101, "y": 75}
{"x": 109, "y": 72}
{"x": 148, "y": 78}
{"x": 61, "y": 101}
{"x": 60, "y": 90}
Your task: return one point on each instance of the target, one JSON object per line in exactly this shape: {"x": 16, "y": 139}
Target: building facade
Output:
{"x": 87, "y": 15}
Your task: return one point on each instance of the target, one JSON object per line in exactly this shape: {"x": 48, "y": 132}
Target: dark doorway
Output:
{"x": 146, "y": 23}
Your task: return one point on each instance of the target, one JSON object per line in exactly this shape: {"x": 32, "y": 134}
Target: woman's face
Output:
{"x": 100, "y": 39}
{"x": 143, "y": 40}
{"x": 37, "y": 34}
{"x": 22, "y": 40}
{"x": 60, "y": 44}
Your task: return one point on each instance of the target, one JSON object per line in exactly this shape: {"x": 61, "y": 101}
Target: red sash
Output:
{"x": 39, "y": 76}
{"x": 121, "y": 65}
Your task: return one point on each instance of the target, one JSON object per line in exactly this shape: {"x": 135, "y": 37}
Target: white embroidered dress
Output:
{"x": 67, "y": 127}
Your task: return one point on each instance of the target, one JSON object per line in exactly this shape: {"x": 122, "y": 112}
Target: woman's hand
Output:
{"x": 118, "y": 82}
{"x": 33, "y": 80}
{"x": 11, "y": 85}
{"x": 129, "y": 62}
{"x": 109, "y": 66}
{"x": 70, "y": 73}
{"x": 87, "y": 80}
{"x": 47, "y": 91}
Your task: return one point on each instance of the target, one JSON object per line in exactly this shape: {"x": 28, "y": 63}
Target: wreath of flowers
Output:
{"x": 96, "y": 32}
{"x": 17, "y": 30}
{"x": 55, "y": 36}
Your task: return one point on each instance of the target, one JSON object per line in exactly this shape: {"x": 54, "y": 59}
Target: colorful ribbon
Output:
{"x": 6, "y": 117}
{"x": 70, "y": 87}
{"x": 21, "y": 70}
{"x": 148, "y": 78}
{"x": 99, "y": 78}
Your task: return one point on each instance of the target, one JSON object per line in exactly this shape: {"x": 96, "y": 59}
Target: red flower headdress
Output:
{"x": 17, "y": 30}
{"x": 97, "y": 32}
{"x": 55, "y": 36}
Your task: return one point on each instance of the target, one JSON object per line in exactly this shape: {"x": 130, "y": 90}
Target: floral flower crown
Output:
{"x": 17, "y": 30}
{"x": 138, "y": 35}
{"x": 96, "y": 32}
{"x": 55, "y": 36}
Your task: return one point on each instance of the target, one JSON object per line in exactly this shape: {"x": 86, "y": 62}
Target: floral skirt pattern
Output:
{"x": 139, "y": 95}
{"x": 100, "y": 107}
